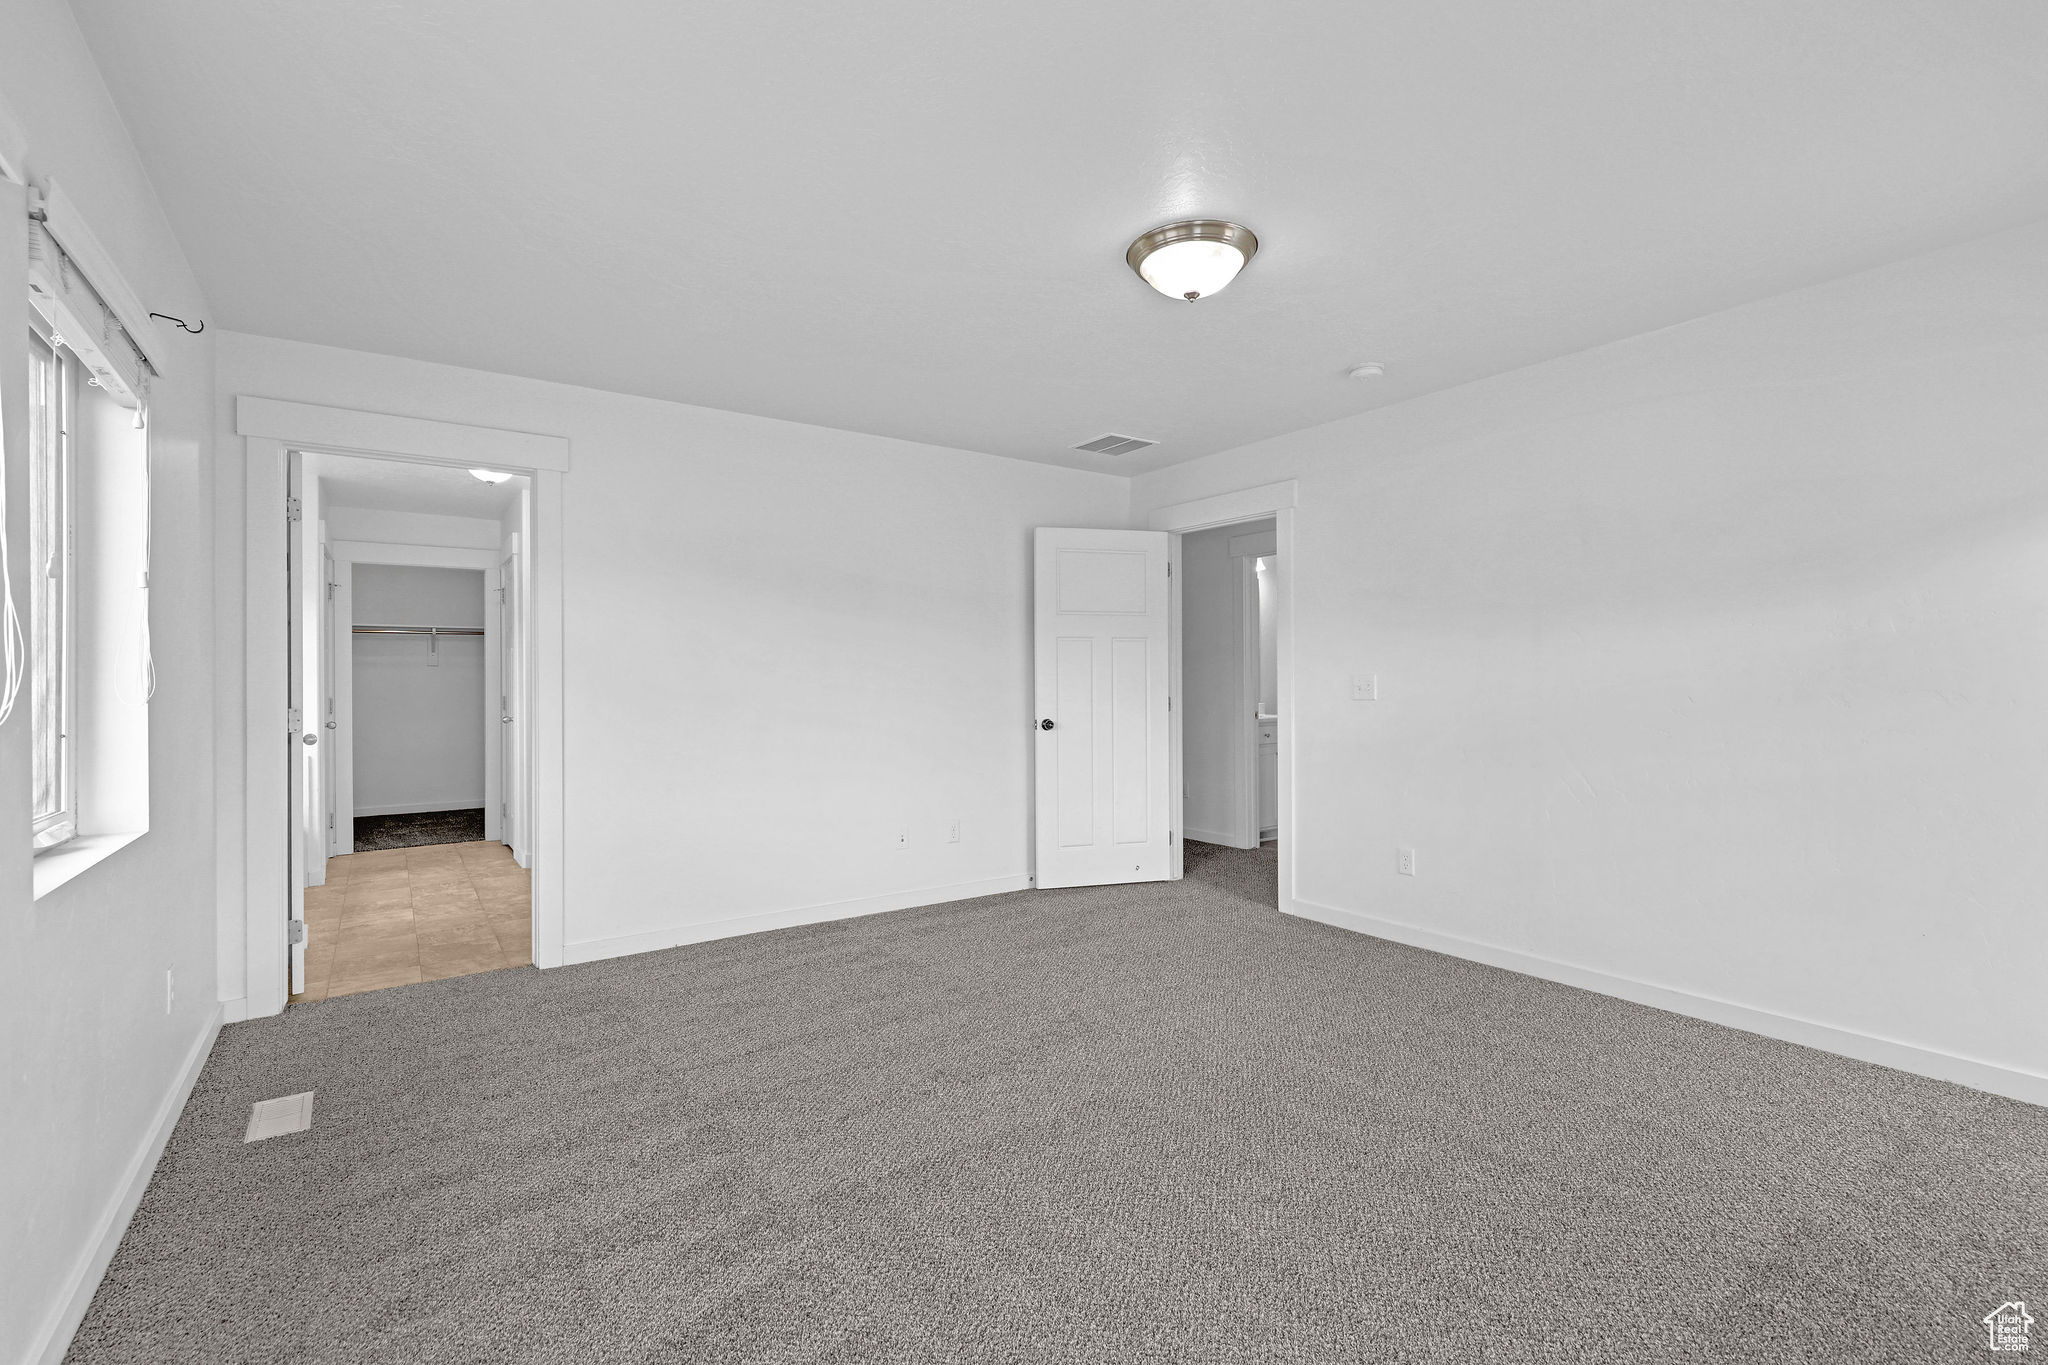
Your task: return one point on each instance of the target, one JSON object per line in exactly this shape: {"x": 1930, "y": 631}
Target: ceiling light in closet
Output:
{"x": 489, "y": 475}
{"x": 1192, "y": 259}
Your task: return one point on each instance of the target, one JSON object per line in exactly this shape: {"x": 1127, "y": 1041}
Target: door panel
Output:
{"x": 1101, "y": 613}
{"x": 301, "y": 783}
{"x": 1073, "y": 743}
{"x": 511, "y": 751}
{"x": 330, "y": 724}
{"x": 1130, "y": 738}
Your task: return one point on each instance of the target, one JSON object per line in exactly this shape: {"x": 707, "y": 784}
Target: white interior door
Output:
{"x": 1102, "y": 611}
{"x": 301, "y": 778}
{"x": 511, "y": 764}
{"x": 330, "y": 722}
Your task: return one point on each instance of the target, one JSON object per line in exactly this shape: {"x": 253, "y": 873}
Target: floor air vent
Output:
{"x": 1115, "y": 445}
{"x": 275, "y": 1118}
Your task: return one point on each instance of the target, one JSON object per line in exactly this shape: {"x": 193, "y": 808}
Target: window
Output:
{"x": 52, "y": 611}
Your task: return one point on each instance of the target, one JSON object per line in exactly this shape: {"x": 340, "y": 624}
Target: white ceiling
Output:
{"x": 910, "y": 218}
{"x": 396, "y": 486}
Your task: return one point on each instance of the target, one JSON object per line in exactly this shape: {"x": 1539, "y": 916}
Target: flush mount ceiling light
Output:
{"x": 1194, "y": 259}
{"x": 489, "y": 475}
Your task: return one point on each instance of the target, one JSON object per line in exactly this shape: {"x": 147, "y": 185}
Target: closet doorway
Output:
{"x": 1230, "y": 725}
{"x": 416, "y": 776}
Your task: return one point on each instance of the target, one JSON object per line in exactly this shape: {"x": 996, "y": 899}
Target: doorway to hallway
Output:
{"x": 412, "y": 775}
{"x": 1230, "y": 720}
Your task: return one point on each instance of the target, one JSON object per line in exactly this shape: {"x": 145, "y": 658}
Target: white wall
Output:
{"x": 411, "y": 528}
{"x": 402, "y": 595}
{"x": 418, "y": 702}
{"x": 94, "y": 1060}
{"x": 1715, "y": 659}
{"x": 784, "y": 643}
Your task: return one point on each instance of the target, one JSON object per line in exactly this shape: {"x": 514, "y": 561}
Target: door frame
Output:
{"x": 334, "y": 600}
{"x": 512, "y": 628}
{"x": 1275, "y": 500}
{"x": 1245, "y": 721}
{"x": 269, "y": 428}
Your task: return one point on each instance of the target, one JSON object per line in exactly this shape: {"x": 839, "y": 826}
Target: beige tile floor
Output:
{"x": 401, "y": 915}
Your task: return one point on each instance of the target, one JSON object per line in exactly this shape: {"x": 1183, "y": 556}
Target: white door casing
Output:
{"x": 1276, "y": 500}
{"x": 303, "y": 725}
{"x": 330, "y": 723}
{"x": 269, "y": 428}
{"x": 511, "y": 769}
{"x": 1101, "y": 615}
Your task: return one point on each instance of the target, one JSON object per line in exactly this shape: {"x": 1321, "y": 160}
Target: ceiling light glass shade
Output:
{"x": 489, "y": 475}
{"x": 1192, "y": 260}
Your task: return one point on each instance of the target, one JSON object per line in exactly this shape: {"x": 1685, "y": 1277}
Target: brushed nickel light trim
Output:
{"x": 1218, "y": 230}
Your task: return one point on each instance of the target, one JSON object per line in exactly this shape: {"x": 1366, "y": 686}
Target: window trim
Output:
{"x": 60, "y": 827}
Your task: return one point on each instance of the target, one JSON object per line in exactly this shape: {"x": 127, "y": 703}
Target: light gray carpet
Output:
{"x": 418, "y": 829}
{"x": 1154, "y": 1123}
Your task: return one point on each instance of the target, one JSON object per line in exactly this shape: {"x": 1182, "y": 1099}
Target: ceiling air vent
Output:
{"x": 1115, "y": 445}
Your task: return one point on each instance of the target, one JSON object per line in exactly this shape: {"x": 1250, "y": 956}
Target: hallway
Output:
{"x": 402, "y": 915}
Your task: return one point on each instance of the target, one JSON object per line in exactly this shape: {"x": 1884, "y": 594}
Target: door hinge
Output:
{"x": 294, "y": 720}
{"x": 297, "y": 934}
{"x": 330, "y": 822}
{"x": 1169, "y": 568}
{"x": 291, "y": 509}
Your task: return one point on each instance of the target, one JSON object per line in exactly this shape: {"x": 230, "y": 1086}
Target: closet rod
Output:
{"x": 418, "y": 630}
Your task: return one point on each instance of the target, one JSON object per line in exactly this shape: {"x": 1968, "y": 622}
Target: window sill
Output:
{"x": 68, "y": 859}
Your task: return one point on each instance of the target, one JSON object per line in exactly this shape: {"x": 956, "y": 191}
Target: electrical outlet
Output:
{"x": 170, "y": 989}
{"x": 1404, "y": 863}
{"x": 953, "y": 832}
{"x": 1365, "y": 687}
{"x": 903, "y": 838}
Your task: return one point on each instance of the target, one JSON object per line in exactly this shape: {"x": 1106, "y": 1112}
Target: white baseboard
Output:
{"x": 54, "y": 1340}
{"x": 1208, "y": 836}
{"x": 594, "y": 949}
{"x": 419, "y": 807}
{"x": 234, "y": 1011}
{"x": 2013, "y": 1082}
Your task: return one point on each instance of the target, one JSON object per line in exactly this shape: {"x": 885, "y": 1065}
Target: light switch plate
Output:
{"x": 1365, "y": 687}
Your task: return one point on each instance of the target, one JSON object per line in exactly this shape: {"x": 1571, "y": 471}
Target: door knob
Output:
{"x": 1045, "y": 725}
{"x": 309, "y": 739}
{"x": 504, "y": 720}
{"x": 332, "y": 723}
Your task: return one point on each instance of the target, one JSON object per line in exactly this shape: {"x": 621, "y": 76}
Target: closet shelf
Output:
{"x": 417, "y": 630}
